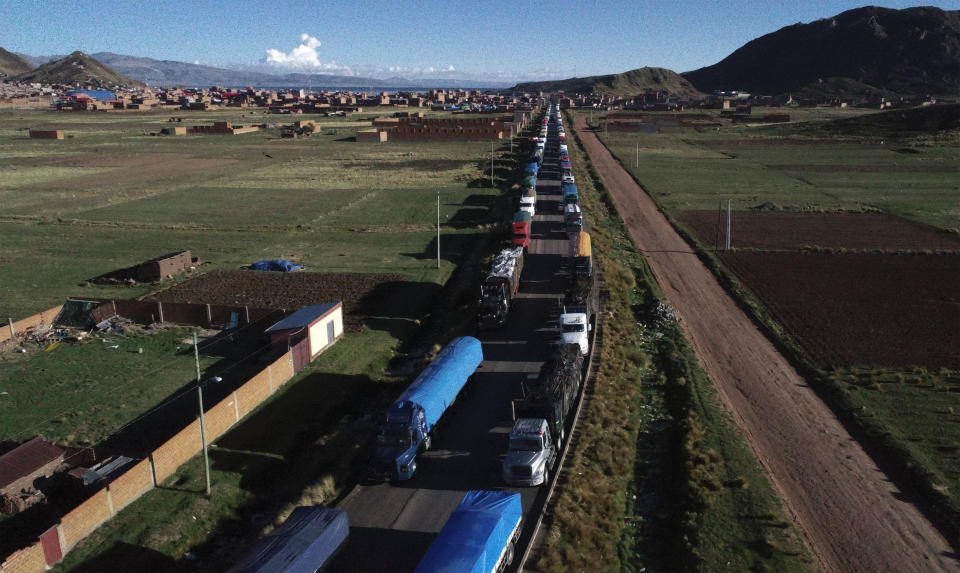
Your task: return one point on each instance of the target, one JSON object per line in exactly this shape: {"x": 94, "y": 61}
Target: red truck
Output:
{"x": 521, "y": 229}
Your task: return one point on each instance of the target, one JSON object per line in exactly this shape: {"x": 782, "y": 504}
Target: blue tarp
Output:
{"x": 439, "y": 384}
{"x": 306, "y": 542}
{"x": 101, "y": 95}
{"x": 569, "y": 189}
{"x": 532, "y": 168}
{"x": 275, "y": 265}
{"x": 475, "y": 536}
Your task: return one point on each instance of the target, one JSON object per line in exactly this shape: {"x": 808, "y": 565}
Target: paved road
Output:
{"x": 392, "y": 525}
{"x": 851, "y": 515}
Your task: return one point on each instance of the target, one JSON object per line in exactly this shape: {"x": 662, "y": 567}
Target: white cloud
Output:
{"x": 303, "y": 58}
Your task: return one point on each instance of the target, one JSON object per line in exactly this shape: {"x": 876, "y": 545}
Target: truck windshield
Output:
{"x": 401, "y": 439}
{"x": 573, "y": 328}
{"x": 526, "y": 444}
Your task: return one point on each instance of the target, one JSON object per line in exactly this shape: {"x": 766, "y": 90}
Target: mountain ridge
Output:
{"x": 172, "y": 73}
{"x": 12, "y": 64}
{"x": 627, "y": 83}
{"x": 78, "y": 68}
{"x": 909, "y": 51}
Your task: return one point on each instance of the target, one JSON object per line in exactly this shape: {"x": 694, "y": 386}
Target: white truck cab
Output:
{"x": 575, "y": 328}
{"x": 528, "y": 203}
{"x": 531, "y": 453}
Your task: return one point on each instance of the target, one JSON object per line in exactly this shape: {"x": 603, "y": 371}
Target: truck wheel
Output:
{"x": 546, "y": 477}
{"x": 563, "y": 434}
{"x": 427, "y": 443}
{"x": 508, "y": 556}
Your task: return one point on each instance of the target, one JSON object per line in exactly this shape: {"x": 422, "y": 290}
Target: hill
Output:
{"x": 910, "y": 51}
{"x": 12, "y": 64}
{"x": 78, "y": 68}
{"x": 626, "y": 84}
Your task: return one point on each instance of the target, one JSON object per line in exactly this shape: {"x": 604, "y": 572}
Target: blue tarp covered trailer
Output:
{"x": 99, "y": 95}
{"x": 532, "y": 168}
{"x": 282, "y": 265}
{"x": 306, "y": 543}
{"x": 569, "y": 189}
{"x": 439, "y": 384}
{"x": 478, "y": 536}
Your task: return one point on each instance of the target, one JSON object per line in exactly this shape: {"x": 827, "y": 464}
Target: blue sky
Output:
{"x": 488, "y": 40}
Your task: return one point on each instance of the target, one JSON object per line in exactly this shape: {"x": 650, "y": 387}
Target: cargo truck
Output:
{"x": 542, "y": 412}
{"x": 307, "y": 542}
{"x": 412, "y": 418}
{"x": 499, "y": 287}
{"x": 573, "y": 218}
{"x": 570, "y": 193}
{"x": 478, "y": 537}
{"x": 520, "y": 229}
{"x": 528, "y": 201}
{"x": 581, "y": 255}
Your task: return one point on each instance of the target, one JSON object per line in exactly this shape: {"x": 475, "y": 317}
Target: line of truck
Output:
{"x": 481, "y": 533}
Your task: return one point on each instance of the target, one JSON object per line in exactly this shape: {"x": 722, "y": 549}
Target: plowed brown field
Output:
{"x": 794, "y": 231}
{"x": 288, "y": 291}
{"x": 861, "y": 309}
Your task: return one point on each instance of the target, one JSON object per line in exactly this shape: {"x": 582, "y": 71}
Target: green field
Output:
{"x": 753, "y": 165}
{"x": 108, "y": 197}
{"x": 821, "y": 167}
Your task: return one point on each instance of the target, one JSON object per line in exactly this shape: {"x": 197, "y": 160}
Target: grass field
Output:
{"x": 109, "y": 197}
{"x": 751, "y": 166}
{"x": 824, "y": 167}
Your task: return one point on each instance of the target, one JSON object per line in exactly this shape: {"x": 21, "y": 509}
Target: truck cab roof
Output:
{"x": 529, "y": 427}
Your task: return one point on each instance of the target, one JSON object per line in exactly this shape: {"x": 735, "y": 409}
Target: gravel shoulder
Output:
{"x": 851, "y": 515}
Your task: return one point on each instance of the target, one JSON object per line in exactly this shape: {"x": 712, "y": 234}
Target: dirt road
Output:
{"x": 848, "y": 511}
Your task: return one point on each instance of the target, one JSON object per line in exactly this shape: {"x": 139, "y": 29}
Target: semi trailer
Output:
{"x": 499, "y": 287}
{"x": 412, "y": 418}
{"x": 478, "y": 537}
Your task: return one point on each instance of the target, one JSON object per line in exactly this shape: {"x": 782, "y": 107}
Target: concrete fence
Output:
{"x": 148, "y": 473}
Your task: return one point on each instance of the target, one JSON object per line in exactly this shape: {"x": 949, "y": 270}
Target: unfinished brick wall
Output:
{"x": 217, "y": 420}
{"x": 45, "y": 317}
{"x": 134, "y": 482}
{"x": 27, "y": 560}
{"x": 185, "y": 313}
{"x": 282, "y": 370}
{"x": 254, "y": 391}
{"x": 165, "y": 460}
{"x": 176, "y": 451}
{"x": 46, "y": 134}
{"x": 140, "y": 311}
{"x": 85, "y": 518}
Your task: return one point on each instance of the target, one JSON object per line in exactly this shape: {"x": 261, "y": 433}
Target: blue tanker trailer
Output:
{"x": 411, "y": 419}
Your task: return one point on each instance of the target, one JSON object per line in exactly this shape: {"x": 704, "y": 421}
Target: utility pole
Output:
{"x": 438, "y": 229}
{"x": 203, "y": 435}
{"x": 491, "y": 165}
{"x": 728, "y": 225}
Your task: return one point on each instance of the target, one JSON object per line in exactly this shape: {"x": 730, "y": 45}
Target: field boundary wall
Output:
{"x": 10, "y": 330}
{"x": 150, "y": 472}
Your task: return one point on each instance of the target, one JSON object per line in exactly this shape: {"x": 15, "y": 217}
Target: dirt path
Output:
{"x": 849, "y": 512}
